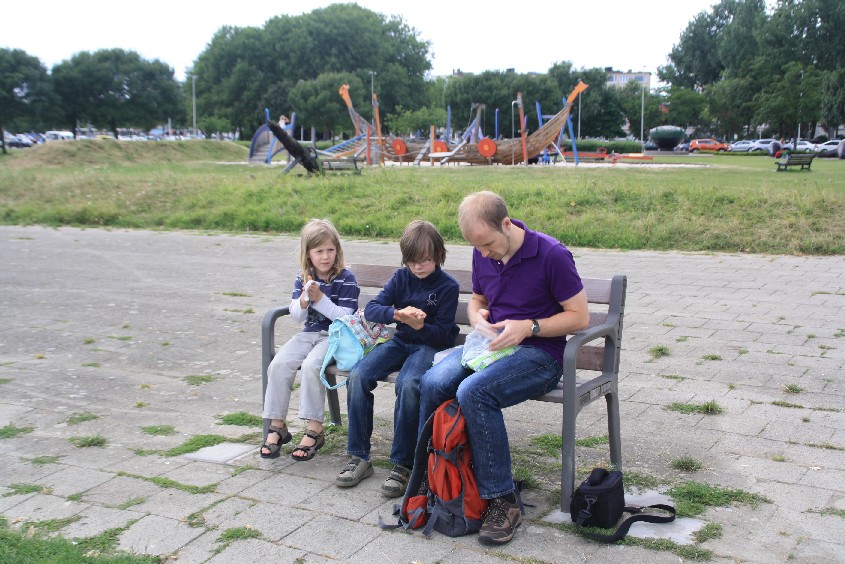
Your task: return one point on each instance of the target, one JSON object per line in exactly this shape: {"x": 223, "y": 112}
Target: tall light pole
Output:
{"x": 372, "y": 86}
{"x": 194, "y": 97}
{"x": 642, "y": 115}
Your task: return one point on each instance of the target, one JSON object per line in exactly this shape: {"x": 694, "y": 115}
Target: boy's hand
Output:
{"x": 411, "y": 316}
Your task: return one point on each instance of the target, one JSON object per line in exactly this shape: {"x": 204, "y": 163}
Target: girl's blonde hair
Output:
{"x": 315, "y": 233}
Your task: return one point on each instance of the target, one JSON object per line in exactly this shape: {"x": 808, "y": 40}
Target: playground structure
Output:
{"x": 486, "y": 151}
{"x": 265, "y": 145}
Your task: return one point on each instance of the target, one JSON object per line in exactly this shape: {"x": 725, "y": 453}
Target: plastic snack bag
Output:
{"x": 476, "y": 354}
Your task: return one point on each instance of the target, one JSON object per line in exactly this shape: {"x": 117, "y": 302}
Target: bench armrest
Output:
{"x": 268, "y": 341}
{"x": 610, "y": 328}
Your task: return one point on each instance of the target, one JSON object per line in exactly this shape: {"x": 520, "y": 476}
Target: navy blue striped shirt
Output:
{"x": 343, "y": 291}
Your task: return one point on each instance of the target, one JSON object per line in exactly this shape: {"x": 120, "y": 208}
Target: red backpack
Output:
{"x": 442, "y": 494}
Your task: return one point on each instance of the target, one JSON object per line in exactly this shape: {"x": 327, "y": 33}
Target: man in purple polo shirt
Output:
{"x": 525, "y": 284}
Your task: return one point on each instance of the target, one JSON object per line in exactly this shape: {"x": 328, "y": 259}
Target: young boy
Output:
{"x": 422, "y": 299}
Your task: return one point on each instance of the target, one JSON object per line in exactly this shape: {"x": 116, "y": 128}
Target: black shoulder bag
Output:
{"x": 600, "y": 501}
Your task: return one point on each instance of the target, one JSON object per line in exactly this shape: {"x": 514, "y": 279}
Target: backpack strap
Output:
{"x": 636, "y": 515}
{"x": 326, "y": 360}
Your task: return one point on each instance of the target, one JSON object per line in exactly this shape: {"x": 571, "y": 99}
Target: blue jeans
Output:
{"x": 528, "y": 373}
{"x": 411, "y": 360}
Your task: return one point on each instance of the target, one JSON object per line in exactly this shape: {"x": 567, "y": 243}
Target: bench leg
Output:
{"x": 567, "y": 434}
{"x": 613, "y": 431}
{"x": 334, "y": 402}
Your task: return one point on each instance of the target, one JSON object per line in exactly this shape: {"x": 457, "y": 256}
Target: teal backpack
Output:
{"x": 350, "y": 338}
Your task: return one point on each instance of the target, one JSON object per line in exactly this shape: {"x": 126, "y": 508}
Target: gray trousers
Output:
{"x": 307, "y": 350}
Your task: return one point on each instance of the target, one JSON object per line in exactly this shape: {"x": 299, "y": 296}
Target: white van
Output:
{"x": 58, "y": 136}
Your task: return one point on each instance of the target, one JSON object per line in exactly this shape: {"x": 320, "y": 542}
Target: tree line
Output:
{"x": 733, "y": 69}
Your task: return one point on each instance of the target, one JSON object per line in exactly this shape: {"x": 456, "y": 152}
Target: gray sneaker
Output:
{"x": 355, "y": 470}
{"x": 397, "y": 482}
{"x": 500, "y": 521}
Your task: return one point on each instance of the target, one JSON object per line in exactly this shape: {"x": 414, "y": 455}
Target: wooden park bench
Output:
{"x": 590, "y": 361}
{"x": 804, "y": 160}
{"x": 335, "y": 164}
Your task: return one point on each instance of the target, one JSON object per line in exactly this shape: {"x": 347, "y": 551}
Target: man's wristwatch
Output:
{"x": 535, "y": 327}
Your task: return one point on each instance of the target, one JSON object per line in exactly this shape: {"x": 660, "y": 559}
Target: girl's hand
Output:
{"x": 312, "y": 287}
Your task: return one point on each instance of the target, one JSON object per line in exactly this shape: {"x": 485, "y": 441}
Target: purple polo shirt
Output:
{"x": 539, "y": 276}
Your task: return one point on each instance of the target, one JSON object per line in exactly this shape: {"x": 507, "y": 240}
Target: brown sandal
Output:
{"x": 275, "y": 448}
{"x": 310, "y": 451}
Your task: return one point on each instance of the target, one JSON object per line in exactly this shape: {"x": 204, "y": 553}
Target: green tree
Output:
{"x": 25, "y": 91}
{"x": 833, "y": 101}
{"x": 793, "y": 98}
{"x": 244, "y": 70}
{"x": 686, "y": 107}
{"x": 403, "y": 122}
{"x": 318, "y": 103}
{"x": 114, "y": 88}
{"x": 731, "y": 104}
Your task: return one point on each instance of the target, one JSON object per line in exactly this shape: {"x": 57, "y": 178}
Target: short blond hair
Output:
{"x": 486, "y": 207}
{"x": 313, "y": 234}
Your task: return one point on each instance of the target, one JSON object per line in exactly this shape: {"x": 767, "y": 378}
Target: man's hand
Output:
{"x": 411, "y": 316}
{"x": 511, "y": 333}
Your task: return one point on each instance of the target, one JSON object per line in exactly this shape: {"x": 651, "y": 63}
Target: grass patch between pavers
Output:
{"x": 5, "y": 380}
{"x": 592, "y": 442}
{"x": 692, "y": 498}
{"x": 829, "y": 511}
{"x": 49, "y": 525}
{"x": 88, "y": 441}
{"x": 159, "y": 430}
{"x": 241, "y": 418}
{"x": 229, "y": 536}
{"x": 172, "y": 484}
{"x": 45, "y": 459}
{"x": 549, "y": 443}
{"x": 707, "y": 408}
{"x": 686, "y": 464}
{"x": 77, "y": 418}
{"x": 194, "y": 444}
{"x": 10, "y": 431}
{"x": 197, "y": 379}
{"x": 23, "y": 489}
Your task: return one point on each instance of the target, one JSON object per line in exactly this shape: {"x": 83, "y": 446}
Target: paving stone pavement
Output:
{"x": 113, "y": 322}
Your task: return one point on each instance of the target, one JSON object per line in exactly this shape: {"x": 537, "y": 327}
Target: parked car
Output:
{"x": 707, "y": 145}
{"x": 742, "y": 146}
{"x": 764, "y": 145}
{"x": 831, "y": 145}
{"x": 651, "y": 146}
{"x": 804, "y": 146}
{"x": 682, "y": 147}
{"x": 18, "y": 141}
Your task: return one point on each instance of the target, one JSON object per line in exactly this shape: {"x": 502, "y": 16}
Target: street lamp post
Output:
{"x": 372, "y": 86}
{"x": 194, "y": 98}
{"x": 579, "y": 116}
{"x": 513, "y": 157}
{"x": 642, "y": 116}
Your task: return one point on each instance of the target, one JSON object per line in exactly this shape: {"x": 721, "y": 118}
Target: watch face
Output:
{"x": 535, "y": 327}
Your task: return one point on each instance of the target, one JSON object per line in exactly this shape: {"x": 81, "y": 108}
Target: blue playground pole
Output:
{"x": 497, "y": 124}
{"x": 572, "y": 137}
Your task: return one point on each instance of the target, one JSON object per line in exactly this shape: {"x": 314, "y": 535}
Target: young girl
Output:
{"x": 421, "y": 298}
{"x": 323, "y": 290}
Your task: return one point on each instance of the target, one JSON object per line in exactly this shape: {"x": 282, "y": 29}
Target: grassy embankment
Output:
{"x": 716, "y": 203}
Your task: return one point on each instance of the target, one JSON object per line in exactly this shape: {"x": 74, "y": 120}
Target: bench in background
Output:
{"x": 802, "y": 160}
{"x": 590, "y": 361}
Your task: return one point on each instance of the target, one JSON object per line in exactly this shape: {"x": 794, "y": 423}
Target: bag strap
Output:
{"x": 636, "y": 515}
{"x": 326, "y": 360}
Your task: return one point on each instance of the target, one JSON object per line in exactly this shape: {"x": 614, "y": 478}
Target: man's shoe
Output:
{"x": 500, "y": 521}
{"x": 355, "y": 470}
{"x": 397, "y": 482}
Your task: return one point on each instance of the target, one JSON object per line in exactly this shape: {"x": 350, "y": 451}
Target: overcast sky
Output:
{"x": 626, "y": 35}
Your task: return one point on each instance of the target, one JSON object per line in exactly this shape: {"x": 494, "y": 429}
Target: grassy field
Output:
{"x": 710, "y": 203}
